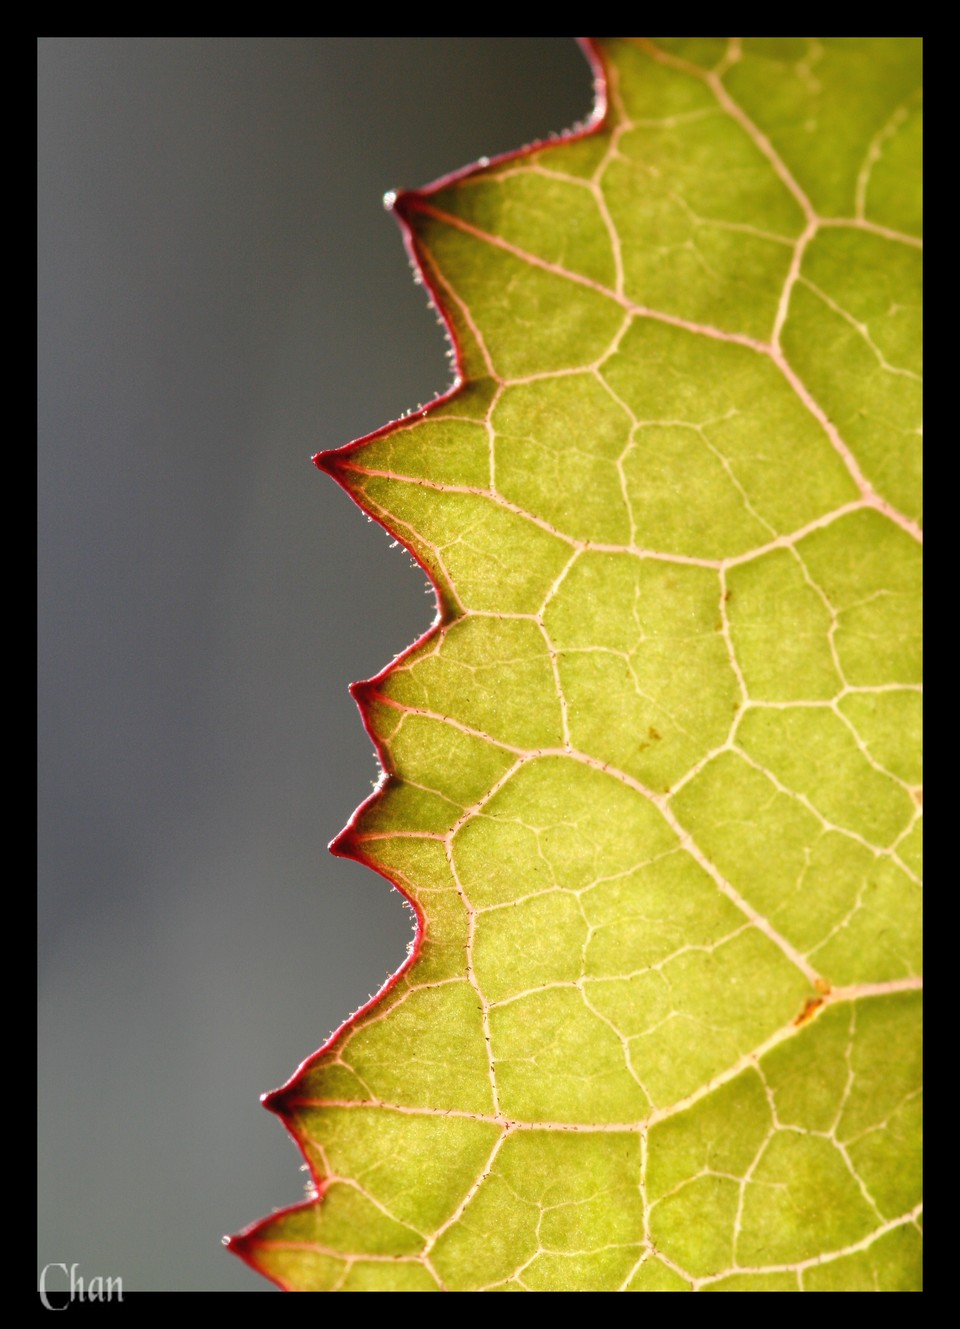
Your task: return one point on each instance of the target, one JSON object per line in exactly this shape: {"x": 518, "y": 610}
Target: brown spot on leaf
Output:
{"x": 810, "y": 1008}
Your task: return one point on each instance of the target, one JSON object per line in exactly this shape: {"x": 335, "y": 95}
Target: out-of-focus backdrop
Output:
{"x": 221, "y": 295}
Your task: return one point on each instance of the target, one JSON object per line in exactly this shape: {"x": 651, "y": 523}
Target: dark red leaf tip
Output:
{"x": 328, "y": 461}
{"x": 363, "y": 691}
{"x": 345, "y": 845}
{"x": 276, "y": 1100}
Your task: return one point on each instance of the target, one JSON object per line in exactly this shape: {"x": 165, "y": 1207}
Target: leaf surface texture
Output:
{"x": 652, "y": 781}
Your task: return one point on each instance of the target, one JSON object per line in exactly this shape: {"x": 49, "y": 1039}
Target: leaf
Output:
{"x": 652, "y": 781}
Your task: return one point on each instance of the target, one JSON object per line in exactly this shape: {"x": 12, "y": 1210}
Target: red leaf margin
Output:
{"x": 404, "y": 205}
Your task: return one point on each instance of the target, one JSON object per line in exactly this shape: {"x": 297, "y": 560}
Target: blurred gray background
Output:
{"x": 221, "y": 295}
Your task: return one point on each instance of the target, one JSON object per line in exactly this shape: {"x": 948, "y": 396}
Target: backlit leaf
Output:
{"x": 652, "y": 781}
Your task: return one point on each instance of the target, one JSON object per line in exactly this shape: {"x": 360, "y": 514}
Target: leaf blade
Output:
{"x": 615, "y": 948}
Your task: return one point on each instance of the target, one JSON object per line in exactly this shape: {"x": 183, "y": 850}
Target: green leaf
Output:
{"x": 652, "y": 780}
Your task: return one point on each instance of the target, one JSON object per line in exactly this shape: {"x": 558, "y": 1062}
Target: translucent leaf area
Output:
{"x": 653, "y": 781}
